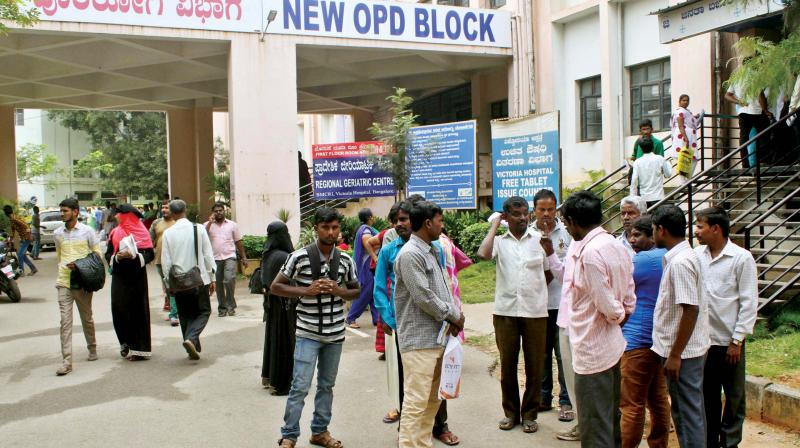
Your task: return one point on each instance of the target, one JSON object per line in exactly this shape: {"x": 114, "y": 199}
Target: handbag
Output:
{"x": 189, "y": 280}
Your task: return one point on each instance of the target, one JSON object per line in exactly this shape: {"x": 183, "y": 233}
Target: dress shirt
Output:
{"x": 383, "y": 290}
{"x": 731, "y": 292}
{"x": 178, "y": 249}
{"x": 422, "y": 300}
{"x": 648, "y": 176}
{"x": 521, "y": 288}
{"x": 73, "y": 245}
{"x": 561, "y": 241}
{"x": 648, "y": 267}
{"x": 680, "y": 284}
{"x": 223, "y": 238}
{"x": 603, "y": 293}
{"x": 623, "y": 238}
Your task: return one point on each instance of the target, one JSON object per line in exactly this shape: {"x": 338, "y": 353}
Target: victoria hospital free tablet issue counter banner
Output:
{"x": 525, "y": 157}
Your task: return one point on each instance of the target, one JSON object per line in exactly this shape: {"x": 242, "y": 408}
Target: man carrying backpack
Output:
{"x": 324, "y": 278}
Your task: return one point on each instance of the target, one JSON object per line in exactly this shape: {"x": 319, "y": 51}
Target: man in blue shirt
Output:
{"x": 383, "y": 295}
{"x": 643, "y": 381}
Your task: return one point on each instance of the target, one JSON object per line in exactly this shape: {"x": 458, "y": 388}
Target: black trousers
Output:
{"x": 194, "y": 309}
{"x": 730, "y": 378}
{"x": 440, "y": 421}
{"x": 746, "y": 123}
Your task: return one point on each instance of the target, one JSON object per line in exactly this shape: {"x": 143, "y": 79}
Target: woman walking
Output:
{"x": 129, "y": 251}
{"x": 279, "y": 314}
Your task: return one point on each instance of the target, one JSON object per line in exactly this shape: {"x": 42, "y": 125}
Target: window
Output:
{"x": 19, "y": 117}
{"x": 453, "y": 2}
{"x": 650, "y": 94}
{"x": 500, "y": 109}
{"x": 494, "y": 4}
{"x": 591, "y": 109}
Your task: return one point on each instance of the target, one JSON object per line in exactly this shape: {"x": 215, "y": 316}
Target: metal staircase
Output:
{"x": 763, "y": 202}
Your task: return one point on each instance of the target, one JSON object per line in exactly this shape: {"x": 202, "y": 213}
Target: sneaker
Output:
{"x": 174, "y": 322}
{"x": 232, "y": 313}
{"x": 570, "y": 435}
{"x": 64, "y": 369}
{"x": 92, "y": 355}
{"x": 191, "y": 350}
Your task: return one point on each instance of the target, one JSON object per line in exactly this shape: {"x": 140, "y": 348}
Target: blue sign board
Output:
{"x": 441, "y": 164}
{"x": 525, "y": 158}
{"x": 344, "y": 171}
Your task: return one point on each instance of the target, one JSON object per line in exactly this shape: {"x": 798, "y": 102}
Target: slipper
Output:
{"x": 391, "y": 417}
{"x": 448, "y": 438}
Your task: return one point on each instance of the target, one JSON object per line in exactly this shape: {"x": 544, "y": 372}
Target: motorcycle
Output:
{"x": 9, "y": 269}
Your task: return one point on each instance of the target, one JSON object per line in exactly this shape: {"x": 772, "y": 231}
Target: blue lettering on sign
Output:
{"x": 470, "y": 17}
{"x": 332, "y": 14}
{"x": 397, "y": 21}
{"x": 309, "y": 14}
{"x": 486, "y": 27}
{"x": 361, "y": 8}
{"x": 381, "y": 16}
{"x": 421, "y": 28}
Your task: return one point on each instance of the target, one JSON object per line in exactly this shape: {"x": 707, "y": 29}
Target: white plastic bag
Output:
{"x": 450, "y": 382}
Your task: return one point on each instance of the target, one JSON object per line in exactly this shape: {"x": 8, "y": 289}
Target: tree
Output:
{"x": 395, "y": 138}
{"x": 129, "y": 149}
{"x": 13, "y": 11}
{"x": 33, "y": 161}
{"x": 769, "y": 65}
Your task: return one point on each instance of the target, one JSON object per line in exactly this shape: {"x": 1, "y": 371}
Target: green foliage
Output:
{"x": 472, "y": 236}
{"x": 767, "y": 65}
{"x": 478, "y": 282}
{"x": 34, "y": 161}
{"x": 395, "y": 138}
{"x": 253, "y": 246}
{"x": 129, "y": 149}
{"x": 14, "y": 11}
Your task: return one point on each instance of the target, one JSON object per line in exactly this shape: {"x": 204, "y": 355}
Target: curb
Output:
{"x": 772, "y": 403}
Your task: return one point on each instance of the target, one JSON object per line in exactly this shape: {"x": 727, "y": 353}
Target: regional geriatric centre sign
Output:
{"x": 391, "y": 21}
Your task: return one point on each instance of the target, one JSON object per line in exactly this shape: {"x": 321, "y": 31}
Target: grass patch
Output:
{"x": 774, "y": 357}
{"x": 477, "y": 282}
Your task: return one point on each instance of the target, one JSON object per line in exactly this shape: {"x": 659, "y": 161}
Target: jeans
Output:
{"x": 510, "y": 333}
{"x": 688, "y": 405}
{"x": 23, "y": 257}
{"x": 309, "y": 354}
{"x": 226, "y": 283}
{"x": 598, "y": 407}
{"x": 721, "y": 376}
{"x": 194, "y": 309}
{"x": 644, "y": 386}
{"x": 552, "y": 345}
{"x": 37, "y": 245}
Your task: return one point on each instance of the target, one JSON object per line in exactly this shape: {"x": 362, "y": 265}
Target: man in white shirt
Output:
{"x": 520, "y": 310}
{"x": 649, "y": 173}
{"x": 751, "y": 115}
{"x": 731, "y": 291}
{"x": 680, "y": 326}
{"x": 186, "y": 245}
{"x": 630, "y": 209}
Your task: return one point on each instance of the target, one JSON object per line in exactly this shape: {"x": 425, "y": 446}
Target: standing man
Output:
{"x": 680, "y": 326}
{"x": 184, "y": 246}
{"x": 156, "y": 232}
{"x": 227, "y": 242}
{"x": 520, "y": 310}
{"x": 36, "y": 232}
{"x": 643, "y": 381}
{"x": 424, "y": 308}
{"x": 325, "y": 278}
{"x": 74, "y": 241}
{"x": 630, "y": 209}
{"x": 602, "y": 299}
{"x": 22, "y": 230}
{"x": 731, "y": 291}
{"x": 555, "y": 241}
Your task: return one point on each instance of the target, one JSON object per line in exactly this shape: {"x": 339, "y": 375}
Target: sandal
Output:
{"x": 566, "y": 414}
{"x": 530, "y": 426}
{"x": 448, "y": 438}
{"x": 325, "y": 440}
{"x": 391, "y": 417}
{"x": 286, "y": 443}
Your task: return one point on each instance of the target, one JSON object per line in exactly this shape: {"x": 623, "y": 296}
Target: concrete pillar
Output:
{"x": 262, "y": 106}
{"x": 8, "y": 155}
{"x": 611, "y": 83}
{"x": 191, "y": 155}
{"x": 362, "y": 120}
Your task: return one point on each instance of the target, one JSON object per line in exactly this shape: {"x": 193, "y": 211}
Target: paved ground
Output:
{"x": 173, "y": 402}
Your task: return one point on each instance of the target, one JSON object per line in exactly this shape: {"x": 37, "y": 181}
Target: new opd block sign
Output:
{"x": 525, "y": 157}
{"x": 441, "y": 164}
{"x": 345, "y": 171}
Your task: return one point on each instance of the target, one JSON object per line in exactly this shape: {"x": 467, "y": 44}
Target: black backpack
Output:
{"x": 316, "y": 271}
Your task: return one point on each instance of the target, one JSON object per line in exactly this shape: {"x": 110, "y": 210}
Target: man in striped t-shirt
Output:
{"x": 320, "y": 324}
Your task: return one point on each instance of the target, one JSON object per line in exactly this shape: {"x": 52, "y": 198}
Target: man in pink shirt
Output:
{"x": 601, "y": 298}
{"x": 226, "y": 241}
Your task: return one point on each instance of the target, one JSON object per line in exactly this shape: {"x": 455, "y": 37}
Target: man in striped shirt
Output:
{"x": 320, "y": 324}
{"x": 680, "y": 326}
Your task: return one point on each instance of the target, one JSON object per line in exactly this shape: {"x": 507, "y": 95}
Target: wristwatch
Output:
{"x": 736, "y": 342}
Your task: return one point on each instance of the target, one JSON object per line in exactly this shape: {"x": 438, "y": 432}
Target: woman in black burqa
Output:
{"x": 279, "y": 314}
